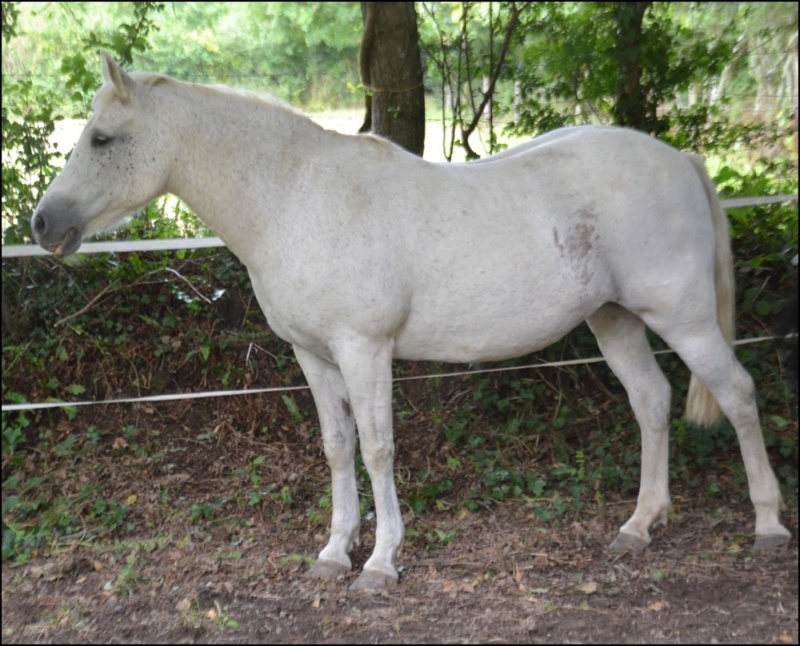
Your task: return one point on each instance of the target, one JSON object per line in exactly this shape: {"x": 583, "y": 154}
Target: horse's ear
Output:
{"x": 113, "y": 73}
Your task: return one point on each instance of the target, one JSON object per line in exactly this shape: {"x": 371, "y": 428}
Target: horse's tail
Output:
{"x": 701, "y": 407}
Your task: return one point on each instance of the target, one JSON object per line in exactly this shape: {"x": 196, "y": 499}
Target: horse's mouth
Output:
{"x": 68, "y": 245}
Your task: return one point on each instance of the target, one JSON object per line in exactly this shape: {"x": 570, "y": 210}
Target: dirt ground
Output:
{"x": 495, "y": 575}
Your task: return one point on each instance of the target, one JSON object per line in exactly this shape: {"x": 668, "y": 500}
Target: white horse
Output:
{"x": 360, "y": 252}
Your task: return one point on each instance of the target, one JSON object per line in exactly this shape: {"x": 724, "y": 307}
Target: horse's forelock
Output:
{"x": 103, "y": 97}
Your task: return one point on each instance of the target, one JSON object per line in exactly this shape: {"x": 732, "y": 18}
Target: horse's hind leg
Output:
{"x": 339, "y": 440}
{"x": 711, "y": 360}
{"x": 623, "y": 342}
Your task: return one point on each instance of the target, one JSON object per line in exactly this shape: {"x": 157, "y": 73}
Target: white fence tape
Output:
{"x": 256, "y": 391}
{"x": 17, "y": 251}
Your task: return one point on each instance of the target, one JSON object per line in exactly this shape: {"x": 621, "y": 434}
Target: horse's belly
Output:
{"x": 467, "y": 349}
{"x": 486, "y": 335}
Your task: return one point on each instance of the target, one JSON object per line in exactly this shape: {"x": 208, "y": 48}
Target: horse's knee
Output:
{"x": 339, "y": 449}
{"x": 378, "y": 456}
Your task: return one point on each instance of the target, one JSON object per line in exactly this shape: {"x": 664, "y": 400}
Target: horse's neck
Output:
{"x": 236, "y": 158}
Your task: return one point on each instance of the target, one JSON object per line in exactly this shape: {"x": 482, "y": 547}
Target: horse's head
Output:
{"x": 118, "y": 165}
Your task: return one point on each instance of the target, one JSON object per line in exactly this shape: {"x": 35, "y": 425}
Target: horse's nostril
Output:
{"x": 39, "y": 225}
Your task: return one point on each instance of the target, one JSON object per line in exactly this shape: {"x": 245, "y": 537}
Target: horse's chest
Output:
{"x": 293, "y": 316}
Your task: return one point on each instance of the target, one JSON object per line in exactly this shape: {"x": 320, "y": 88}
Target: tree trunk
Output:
{"x": 391, "y": 71}
{"x": 632, "y": 106}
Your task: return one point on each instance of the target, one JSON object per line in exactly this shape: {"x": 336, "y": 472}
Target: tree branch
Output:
{"x": 513, "y": 22}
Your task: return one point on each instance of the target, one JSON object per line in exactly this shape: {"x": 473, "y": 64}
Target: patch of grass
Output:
{"x": 119, "y": 548}
{"x": 194, "y": 616}
{"x": 206, "y": 511}
{"x": 31, "y": 523}
{"x": 130, "y": 579}
{"x": 298, "y": 559}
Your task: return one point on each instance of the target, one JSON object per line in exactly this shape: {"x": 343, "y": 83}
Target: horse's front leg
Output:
{"x": 367, "y": 370}
{"x": 339, "y": 439}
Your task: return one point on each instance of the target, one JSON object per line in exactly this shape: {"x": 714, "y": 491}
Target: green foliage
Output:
{"x": 28, "y": 162}
{"x": 304, "y": 52}
{"x": 10, "y": 19}
{"x": 325, "y": 503}
{"x": 255, "y": 493}
{"x": 33, "y": 520}
{"x": 206, "y": 511}
{"x": 576, "y": 60}
{"x": 293, "y": 408}
{"x": 308, "y": 52}
{"x": 13, "y": 426}
{"x": 688, "y": 73}
{"x": 131, "y": 36}
{"x": 761, "y": 225}
{"x": 502, "y": 465}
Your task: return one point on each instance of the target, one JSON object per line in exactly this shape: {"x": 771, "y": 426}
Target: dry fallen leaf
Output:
{"x": 590, "y": 587}
{"x": 119, "y": 443}
{"x": 540, "y": 559}
{"x": 317, "y": 601}
{"x": 184, "y": 605}
{"x": 48, "y": 571}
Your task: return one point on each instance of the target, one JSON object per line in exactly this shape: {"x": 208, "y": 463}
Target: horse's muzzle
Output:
{"x": 62, "y": 240}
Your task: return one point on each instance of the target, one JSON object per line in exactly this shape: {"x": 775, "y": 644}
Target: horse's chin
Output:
{"x": 69, "y": 244}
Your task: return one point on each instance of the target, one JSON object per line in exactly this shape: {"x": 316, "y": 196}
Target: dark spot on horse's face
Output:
{"x": 346, "y": 408}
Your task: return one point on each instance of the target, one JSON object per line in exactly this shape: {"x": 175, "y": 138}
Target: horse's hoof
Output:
{"x": 625, "y": 542}
{"x": 771, "y": 541}
{"x": 323, "y": 569}
{"x": 373, "y": 582}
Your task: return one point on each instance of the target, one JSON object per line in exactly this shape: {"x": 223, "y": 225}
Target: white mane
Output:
{"x": 148, "y": 80}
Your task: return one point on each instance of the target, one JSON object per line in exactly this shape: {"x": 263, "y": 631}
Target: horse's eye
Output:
{"x": 99, "y": 141}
